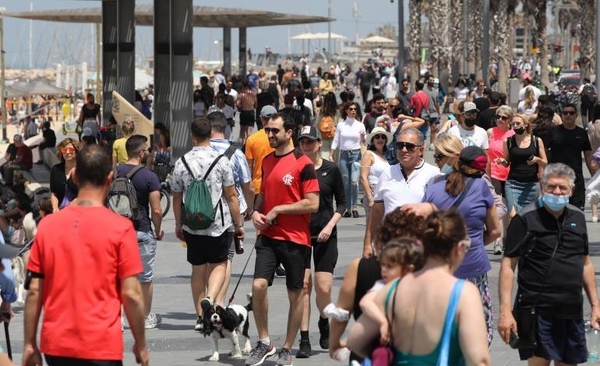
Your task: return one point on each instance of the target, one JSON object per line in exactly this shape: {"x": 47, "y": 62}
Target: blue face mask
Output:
{"x": 446, "y": 169}
{"x": 554, "y": 202}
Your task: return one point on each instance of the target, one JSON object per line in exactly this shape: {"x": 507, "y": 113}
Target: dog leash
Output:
{"x": 241, "y": 275}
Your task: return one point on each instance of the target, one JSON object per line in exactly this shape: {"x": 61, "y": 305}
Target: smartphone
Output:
{"x": 531, "y": 158}
{"x": 514, "y": 339}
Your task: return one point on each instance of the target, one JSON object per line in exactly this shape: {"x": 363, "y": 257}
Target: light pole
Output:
{"x": 329, "y": 31}
{"x": 485, "y": 52}
{"x": 401, "y": 40}
{"x": 3, "y": 93}
{"x": 597, "y": 44}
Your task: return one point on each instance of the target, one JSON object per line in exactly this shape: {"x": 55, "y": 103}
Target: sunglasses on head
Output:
{"x": 439, "y": 156}
{"x": 568, "y": 113}
{"x": 272, "y": 130}
{"x": 408, "y": 145}
{"x": 504, "y": 118}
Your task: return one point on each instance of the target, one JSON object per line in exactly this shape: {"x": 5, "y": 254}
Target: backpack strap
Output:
{"x": 210, "y": 168}
{"x": 187, "y": 167}
{"x": 133, "y": 171}
{"x": 230, "y": 151}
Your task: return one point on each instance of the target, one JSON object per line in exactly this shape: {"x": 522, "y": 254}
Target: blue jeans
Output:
{"x": 520, "y": 194}
{"x": 350, "y": 169}
{"x": 147, "y": 245}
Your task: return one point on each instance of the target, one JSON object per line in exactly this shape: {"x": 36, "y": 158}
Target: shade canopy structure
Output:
{"x": 311, "y": 36}
{"x": 377, "y": 40}
{"x": 203, "y": 16}
{"x": 42, "y": 87}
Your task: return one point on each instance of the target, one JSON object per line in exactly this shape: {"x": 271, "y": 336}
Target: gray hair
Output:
{"x": 413, "y": 131}
{"x": 507, "y": 109}
{"x": 558, "y": 170}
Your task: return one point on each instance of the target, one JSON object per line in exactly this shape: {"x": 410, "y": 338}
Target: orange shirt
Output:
{"x": 84, "y": 253}
{"x": 257, "y": 147}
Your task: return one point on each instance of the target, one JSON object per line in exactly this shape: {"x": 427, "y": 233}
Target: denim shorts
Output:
{"x": 147, "y": 245}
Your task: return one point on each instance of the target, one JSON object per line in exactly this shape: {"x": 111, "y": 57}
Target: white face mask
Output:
{"x": 446, "y": 169}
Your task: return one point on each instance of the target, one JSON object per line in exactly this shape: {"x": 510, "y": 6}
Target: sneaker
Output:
{"x": 206, "y": 304}
{"x": 152, "y": 321}
{"x": 304, "y": 350}
{"x": 498, "y": 246}
{"x": 260, "y": 353}
{"x": 324, "y": 333}
{"x": 594, "y": 218}
{"x": 199, "y": 327}
{"x": 284, "y": 357}
{"x": 280, "y": 271}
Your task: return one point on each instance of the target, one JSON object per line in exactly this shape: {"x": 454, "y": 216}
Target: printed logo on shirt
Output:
{"x": 288, "y": 179}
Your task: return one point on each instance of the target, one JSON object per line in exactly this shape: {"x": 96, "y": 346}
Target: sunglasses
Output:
{"x": 68, "y": 150}
{"x": 568, "y": 113}
{"x": 439, "y": 156}
{"x": 352, "y": 109}
{"x": 379, "y": 136}
{"x": 504, "y": 118}
{"x": 466, "y": 242}
{"x": 470, "y": 113}
{"x": 408, "y": 145}
{"x": 272, "y": 130}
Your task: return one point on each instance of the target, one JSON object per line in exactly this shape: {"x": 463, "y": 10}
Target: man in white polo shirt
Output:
{"x": 401, "y": 184}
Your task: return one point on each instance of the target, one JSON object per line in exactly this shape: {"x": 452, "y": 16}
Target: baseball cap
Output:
{"x": 474, "y": 157}
{"x": 8, "y": 251}
{"x": 309, "y": 132}
{"x": 469, "y": 106}
{"x": 267, "y": 111}
{"x": 288, "y": 99}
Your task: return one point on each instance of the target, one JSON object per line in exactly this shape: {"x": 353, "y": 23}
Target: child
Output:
{"x": 398, "y": 258}
{"x": 592, "y": 190}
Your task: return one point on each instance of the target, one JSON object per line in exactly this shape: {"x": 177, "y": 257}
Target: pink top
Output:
{"x": 496, "y": 150}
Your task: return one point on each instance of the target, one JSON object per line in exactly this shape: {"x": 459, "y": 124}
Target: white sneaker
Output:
{"x": 498, "y": 246}
{"x": 152, "y": 321}
{"x": 594, "y": 218}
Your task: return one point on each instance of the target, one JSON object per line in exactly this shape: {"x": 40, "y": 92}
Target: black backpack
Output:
{"x": 122, "y": 196}
{"x": 588, "y": 96}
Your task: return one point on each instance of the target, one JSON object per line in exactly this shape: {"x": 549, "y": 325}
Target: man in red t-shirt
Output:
{"x": 289, "y": 193}
{"x": 23, "y": 160}
{"x": 82, "y": 274}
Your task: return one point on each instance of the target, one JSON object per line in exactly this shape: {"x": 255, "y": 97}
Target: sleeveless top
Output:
{"x": 496, "y": 150}
{"x": 520, "y": 171}
{"x": 379, "y": 166}
{"x": 454, "y": 357}
{"x": 90, "y": 113}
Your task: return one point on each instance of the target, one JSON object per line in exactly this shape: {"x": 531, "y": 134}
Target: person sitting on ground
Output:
{"x": 23, "y": 160}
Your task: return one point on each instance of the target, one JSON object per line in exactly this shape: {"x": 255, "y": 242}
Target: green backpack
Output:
{"x": 198, "y": 211}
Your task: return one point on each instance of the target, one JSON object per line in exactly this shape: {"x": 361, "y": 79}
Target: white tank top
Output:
{"x": 378, "y": 167}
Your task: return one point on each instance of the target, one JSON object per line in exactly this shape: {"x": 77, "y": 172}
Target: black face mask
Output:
{"x": 470, "y": 122}
{"x": 519, "y": 131}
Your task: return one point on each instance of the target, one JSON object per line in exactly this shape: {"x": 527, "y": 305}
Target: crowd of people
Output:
{"x": 510, "y": 179}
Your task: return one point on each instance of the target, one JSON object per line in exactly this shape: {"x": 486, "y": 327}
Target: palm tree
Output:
{"x": 587, "y": 26}
{"x": 457, "y": 38}
{"x": 439, "y": 32}
{"x": 541, "y": 23}
{"x": 414, "y": 8}
{"x": 503, "y": 12}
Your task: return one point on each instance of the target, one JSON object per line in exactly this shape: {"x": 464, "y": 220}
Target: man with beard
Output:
{"x": 467, "y": 131}
{"x": 289, "y": 193}
{"x": 377, "y": 110}
{"x": 405, "y": 94}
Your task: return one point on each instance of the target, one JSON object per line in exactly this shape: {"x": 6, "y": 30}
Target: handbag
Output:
{"x": 382, "y": 354}
{"x": 450, "y": 315}
{"x": 525, "y": 316}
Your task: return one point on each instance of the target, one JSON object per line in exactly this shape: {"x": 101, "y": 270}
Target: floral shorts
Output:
{"x": 486, "y": 300}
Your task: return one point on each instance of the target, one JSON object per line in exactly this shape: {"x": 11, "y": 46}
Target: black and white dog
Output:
{"x": 230, "y": 323}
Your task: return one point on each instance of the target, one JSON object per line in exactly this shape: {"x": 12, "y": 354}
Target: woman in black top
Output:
{"x": 63, "y": 188}
{"x": 526, "y": 156}
{"x": 89, "y": 116}
{"x": 323, "y": 236}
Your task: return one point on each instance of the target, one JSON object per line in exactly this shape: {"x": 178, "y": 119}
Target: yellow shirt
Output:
{"x": 119, "y": 151}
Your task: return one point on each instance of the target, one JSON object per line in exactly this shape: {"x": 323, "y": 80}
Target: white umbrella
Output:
{"x": 304, "y": 36}
{"x": 326, "y": 36}
{"x": 376, "y": 39}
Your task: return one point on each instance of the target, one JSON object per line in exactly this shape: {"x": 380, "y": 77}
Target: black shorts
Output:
{"x": 247, "y": 118}
{"x": 499, "y": 186}
{"x": 324, "y": 254}
{"x": 202, "y": 249}
{"x": 271, "y": 252}
{"x": 559, "y": 340}
{"x": 69, "y": 361}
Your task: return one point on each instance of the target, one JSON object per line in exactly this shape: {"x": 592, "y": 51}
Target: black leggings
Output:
{"x": 68, "y": 361}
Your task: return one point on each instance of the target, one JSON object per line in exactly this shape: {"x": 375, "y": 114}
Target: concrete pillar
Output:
{"x": 227, "y": 51}
{"x": 242, "y": 56}
{"x": 162, "y": 62}
{"x": 126, "y": 50}
{"x": 182, "y": 87}
{"x": 109, "y": 57}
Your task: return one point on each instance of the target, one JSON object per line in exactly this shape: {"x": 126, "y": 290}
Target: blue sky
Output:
{"x": 61, "y": 42}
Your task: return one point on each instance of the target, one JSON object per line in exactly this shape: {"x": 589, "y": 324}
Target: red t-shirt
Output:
{"x": 419, "y": 101}
{"x": 83, "y": 253}
{"x": 26, "y": 156}
{"x": 286, "y": 179}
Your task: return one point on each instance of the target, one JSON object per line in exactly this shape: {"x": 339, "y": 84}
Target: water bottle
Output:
{"x": 592, "y": 338}
{"x": 239, "y": 245}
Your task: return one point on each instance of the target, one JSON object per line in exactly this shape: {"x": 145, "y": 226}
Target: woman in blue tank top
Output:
{"x": 435, "y": 316}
